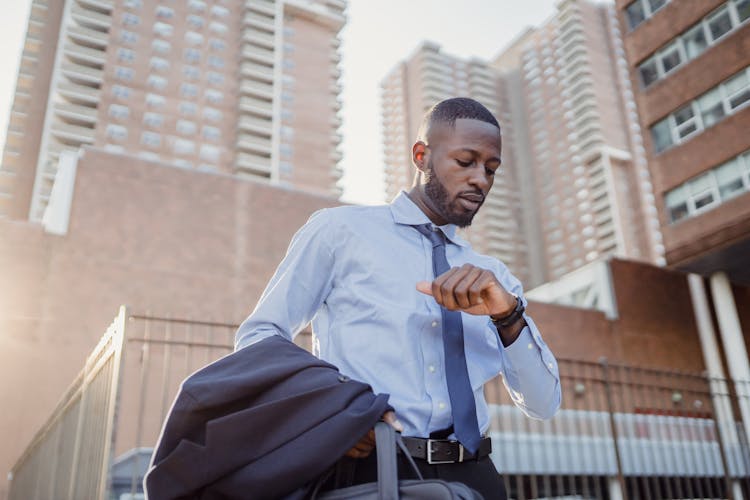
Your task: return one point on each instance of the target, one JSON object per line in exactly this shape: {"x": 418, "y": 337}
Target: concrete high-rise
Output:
{"x": 245, "y": 88}
{"x": 413, "y": 86}
{"x": 587, "y": 190}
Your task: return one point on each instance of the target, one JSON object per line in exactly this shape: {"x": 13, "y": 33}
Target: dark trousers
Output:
{"x": 480, "y": 475}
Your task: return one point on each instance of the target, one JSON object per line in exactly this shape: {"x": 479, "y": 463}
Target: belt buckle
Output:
{"x": 437, "y": 462}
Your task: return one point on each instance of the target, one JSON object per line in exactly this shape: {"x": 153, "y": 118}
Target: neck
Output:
{"x": 420, "y": 199}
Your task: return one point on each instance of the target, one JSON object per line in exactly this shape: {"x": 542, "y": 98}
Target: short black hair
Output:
{"x": 450, "y": 110}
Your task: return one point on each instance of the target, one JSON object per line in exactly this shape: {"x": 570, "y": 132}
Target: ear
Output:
{"x": 418, "y": 155}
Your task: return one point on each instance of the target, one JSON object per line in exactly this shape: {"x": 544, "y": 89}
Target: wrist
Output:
{"x": 510, "y": 318}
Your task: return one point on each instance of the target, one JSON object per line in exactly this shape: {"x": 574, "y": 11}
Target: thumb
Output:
{"x": 425, "y": 287}
{"x": 389, "y": 417}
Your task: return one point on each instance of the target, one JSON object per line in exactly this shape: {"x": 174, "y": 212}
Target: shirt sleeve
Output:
{"x": 530, "y": 371}
{"x": 298, "y": 287}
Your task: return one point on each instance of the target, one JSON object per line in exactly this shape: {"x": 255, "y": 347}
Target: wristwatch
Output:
{"x": 512, "y": 317}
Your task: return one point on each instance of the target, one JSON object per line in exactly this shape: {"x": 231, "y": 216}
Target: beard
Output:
{"x": 448, "y": 209}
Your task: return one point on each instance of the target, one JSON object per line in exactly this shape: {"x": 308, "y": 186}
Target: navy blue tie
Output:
{"x": 463, "y": 405}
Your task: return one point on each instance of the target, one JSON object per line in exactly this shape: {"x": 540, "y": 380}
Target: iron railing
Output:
{"x": 623, "y": 432}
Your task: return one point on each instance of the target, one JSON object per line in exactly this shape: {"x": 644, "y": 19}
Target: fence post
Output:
{"x": 613, "y": 426}
{"x": 118, "y": 344}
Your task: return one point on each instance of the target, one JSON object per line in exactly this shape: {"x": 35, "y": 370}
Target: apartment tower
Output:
{"x": 412, "y": 87}
{"x": 577, "y": 136}
{"x": 243, "y": 88}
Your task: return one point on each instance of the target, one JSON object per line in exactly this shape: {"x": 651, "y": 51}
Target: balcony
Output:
{"x": 262, "y": 6}
{"x": 84, "y": 35}
{"x": 252, "y": 124}
{"x": 259, "y": 107}
{"x": 79, "y": 93}
{"x": 318, "y": 13}
{"x": 90, "y": 18}
{"x": 252, "y": 70}
{"x": 257, "y": 89}
{"x": 77, "y": 72}
{"x": 72, "y": 134}
{"x": 84, "y": 54}
{"x": 254, "y": 164}
{"x": 258, "y": 54}
{"x": 259, "y": 21}
{"x": 105, "y": 5}
{"x": 254, "y": 144}
{"x": 260, "y": 38}
{"x": 76, "y": 112}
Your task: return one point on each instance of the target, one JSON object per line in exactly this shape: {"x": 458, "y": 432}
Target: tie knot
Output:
{"x": 432, "y": 233}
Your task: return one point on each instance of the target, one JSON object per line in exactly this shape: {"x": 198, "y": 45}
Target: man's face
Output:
{"x": 461, "y": 164}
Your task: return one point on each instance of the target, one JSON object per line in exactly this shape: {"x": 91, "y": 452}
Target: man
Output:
{"x": 388, "y": 310}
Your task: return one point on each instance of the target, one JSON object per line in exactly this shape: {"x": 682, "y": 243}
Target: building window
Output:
{"x": 215, "y": 62}
{"x": 155, "y": 101}
{"x": 188, "y": 109}
{"x": 191, "y": 72}
{"x": 159, "y": 64}
{"x": 210, "y": 153}
{"x": 164, "y": 12}
{"x": 197, "y": 6}
{"x": 125, "y": 55}
{"x": 186, "y": 127}
{"x": 219, "y": 11}
{"x": 195, "y": 21}
{"x": 153, "y": 120}
{"x": 217, "y": 45}
{"x": 211, "y": 133}
{"x": 128, "y": 37}
{"x": 640, "y": 10}
{"x": 129, "y": 19}
{"x": 192, "y": 55}
{"x": 212, "y": 114}
{"x": 184, "y": 147}
{"x": 188, "y": 90}
{"x": 118, "y": 111}
{"x": 151, "y": 139}
{"x": 161, "y": 46}
{"x": 116, "y": 132}
{"x": 124, "y": 74}
{"x": 215, "y": 78}
{"x": 157, "y": 82}
{"x": 214, "y": 96}
{"x": 193, "y": 38}
{"x": 709, "y": 189}
{"x": 694, "y": 41}
{"x": 218, "y": 28}
{"x": 163, "y": 29}
{"x": 120, "y": 91}
{"x": 133, "y": 4}
{"x": 703, "y": 112}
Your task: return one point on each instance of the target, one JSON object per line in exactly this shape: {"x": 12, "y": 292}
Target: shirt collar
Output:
{"x": 406, "y": 212}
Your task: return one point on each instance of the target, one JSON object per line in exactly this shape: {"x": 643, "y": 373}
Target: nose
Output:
{"x": 479, "y": 178}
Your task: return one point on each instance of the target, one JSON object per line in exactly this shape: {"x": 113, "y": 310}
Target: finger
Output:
{"x": 355, "y": 453}
{"x": 390, "y": 418}
{"x": 440, "y": 293}
{"x": 425, "y": 287}
{"x": 463, "y": 288}
{"x": 448, "y": 288}
{"x": 482, "y": 286}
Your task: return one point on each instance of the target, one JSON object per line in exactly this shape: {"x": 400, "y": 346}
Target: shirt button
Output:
{"x": 434, "y": 324}
{"x": 441, "y": 406}
{"x": 550, "y": 365}
{"x": 432, "y": 369}
{"x": 531, "y": 346}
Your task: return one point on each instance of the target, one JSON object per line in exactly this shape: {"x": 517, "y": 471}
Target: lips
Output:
{"x": 471, "y": 201}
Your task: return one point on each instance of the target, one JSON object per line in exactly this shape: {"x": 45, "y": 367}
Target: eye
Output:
{"x": 464, "y": 163}
{"x": 490, "y": 171}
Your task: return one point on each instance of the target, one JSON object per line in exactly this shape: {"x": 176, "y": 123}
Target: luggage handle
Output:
{"x": 386, "y": 440}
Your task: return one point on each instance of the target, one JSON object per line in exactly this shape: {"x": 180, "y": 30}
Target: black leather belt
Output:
{"x": 445, "y": 451}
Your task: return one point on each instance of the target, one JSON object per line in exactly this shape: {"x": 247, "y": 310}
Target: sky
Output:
{"x": 378, "y": 35}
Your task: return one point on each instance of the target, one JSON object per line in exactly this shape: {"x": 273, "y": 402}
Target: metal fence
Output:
{"x": 622, "y": 433}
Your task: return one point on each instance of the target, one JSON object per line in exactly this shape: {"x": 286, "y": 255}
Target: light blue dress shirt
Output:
{"x": 352, "y": 271}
